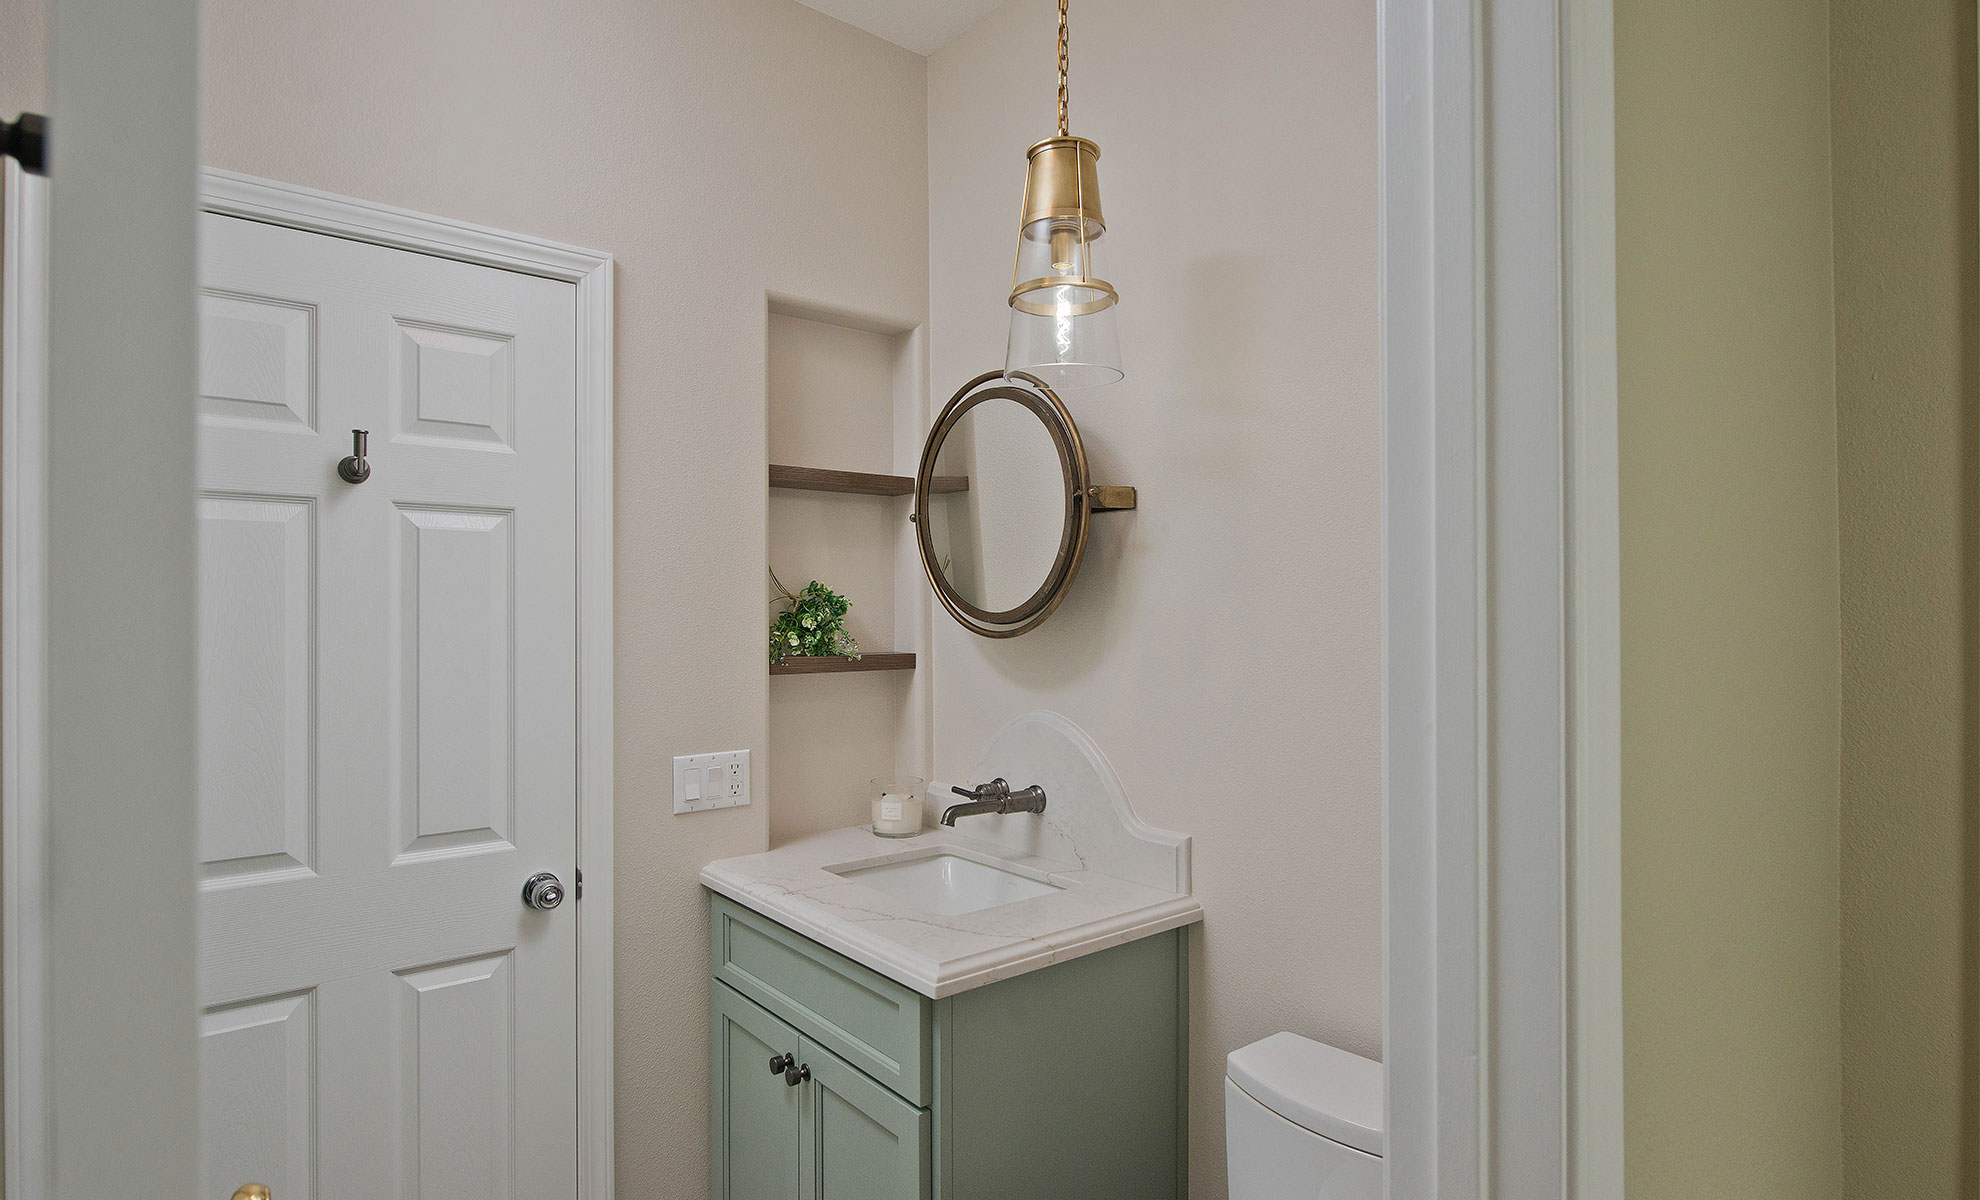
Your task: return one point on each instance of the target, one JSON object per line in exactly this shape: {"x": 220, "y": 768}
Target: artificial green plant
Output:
{"x": 812, "y": 624}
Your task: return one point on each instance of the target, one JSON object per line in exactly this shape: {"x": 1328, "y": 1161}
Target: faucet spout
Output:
{"x": 970, "y": 809}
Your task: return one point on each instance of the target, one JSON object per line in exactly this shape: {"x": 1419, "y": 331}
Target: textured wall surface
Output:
{"x": 1222, "y": 643}
{"x": 1906, "y": 343}
{"x": 1729, "y": 601}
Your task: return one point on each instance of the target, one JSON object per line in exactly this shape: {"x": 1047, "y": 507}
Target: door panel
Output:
{"x": 453, "y": 386}
{"x": 257, "y": 687}
{"x": 459, "y": 1099}
{"x": 453, "y": 624}
{"x": 257, "y": 361}
{"x": 388, "y": 715}
{"x": 754, "y": 1126}
{"x": 258, "y": 1094}
{"x": 860, "y": 1141}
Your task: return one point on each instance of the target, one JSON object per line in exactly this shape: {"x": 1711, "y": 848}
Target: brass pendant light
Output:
{"x": 1063, "y": 326}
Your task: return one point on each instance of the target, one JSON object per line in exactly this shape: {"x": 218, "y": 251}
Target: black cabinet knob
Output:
{"x": 782, "y": 1063}
{"x": 796, "y": 1075}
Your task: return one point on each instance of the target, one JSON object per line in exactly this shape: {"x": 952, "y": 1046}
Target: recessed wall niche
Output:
{"x": 847, "y": 406}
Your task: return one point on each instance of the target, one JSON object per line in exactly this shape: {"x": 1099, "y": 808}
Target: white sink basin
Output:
{"x": 947, "y": 883}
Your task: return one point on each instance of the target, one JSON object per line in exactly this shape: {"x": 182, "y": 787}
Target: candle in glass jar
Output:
{"x": 897, "y": 807}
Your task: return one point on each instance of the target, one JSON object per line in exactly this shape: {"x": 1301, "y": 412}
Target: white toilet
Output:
{"x": 1303, "y": 1121}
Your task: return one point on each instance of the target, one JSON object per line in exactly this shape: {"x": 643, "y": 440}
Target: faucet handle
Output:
{"x": 996, "y": 789}
{"x": 965, "y": 793}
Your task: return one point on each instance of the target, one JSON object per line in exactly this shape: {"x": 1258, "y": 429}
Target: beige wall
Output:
{"x": 721, "y": 151}
{"x": 1730, "y": 605}
{"x": 1906, "y": 338}
{"x": 1222, "y": 642}
{"x": 23, "y": 56}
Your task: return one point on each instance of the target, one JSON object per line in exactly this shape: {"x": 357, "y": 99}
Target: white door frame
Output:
{"x": 23, "y": 878}
{"x": 114, "y": 668}
{"x": 24, "y": 835}
{"x": 1501, "y": 646}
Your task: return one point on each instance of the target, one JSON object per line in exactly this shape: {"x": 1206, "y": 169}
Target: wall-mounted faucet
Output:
{"x": 994, "y": 797}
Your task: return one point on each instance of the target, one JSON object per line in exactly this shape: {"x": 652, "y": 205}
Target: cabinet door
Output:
{"x": 753, "y": 1127}
{"x": 859, "y": 1141}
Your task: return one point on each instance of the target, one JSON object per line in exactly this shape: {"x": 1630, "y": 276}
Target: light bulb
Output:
{"x": 1062, "y": 250}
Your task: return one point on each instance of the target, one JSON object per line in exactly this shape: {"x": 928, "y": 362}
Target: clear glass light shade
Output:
{"x": 1064, "y": 328}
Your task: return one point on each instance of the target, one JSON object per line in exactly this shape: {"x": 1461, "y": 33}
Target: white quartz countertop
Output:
{"x": 941, "y": 955}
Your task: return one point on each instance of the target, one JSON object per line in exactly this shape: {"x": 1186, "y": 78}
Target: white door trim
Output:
{"x": 235, "y": 195}
{"x": 23, "y": 683}
{"x": 1501, "y": 631}
{"x": 1594, "y": 1027}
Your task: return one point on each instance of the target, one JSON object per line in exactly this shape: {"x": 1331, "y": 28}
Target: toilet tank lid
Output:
{"x": 1323, "y": 1088}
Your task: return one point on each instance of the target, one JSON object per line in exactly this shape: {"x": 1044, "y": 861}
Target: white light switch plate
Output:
{"x": 705, "y": 781}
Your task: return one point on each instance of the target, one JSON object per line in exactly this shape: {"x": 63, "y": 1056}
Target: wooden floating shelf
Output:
{"x": 860, "y": 483}
{"x": 834, "y": 665}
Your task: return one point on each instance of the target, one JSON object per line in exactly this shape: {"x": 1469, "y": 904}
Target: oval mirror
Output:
{"x": 1002, "y": 502}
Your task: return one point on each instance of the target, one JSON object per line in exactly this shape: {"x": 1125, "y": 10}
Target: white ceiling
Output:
{"x": 923, "y": 26}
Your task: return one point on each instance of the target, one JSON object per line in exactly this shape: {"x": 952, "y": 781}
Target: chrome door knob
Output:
{"x": 543, "y": 891}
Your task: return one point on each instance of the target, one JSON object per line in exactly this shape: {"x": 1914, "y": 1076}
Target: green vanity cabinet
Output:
{"x": 1064, "y": 1083}
{"x": 819, "y": 1130}
{"x": 756, "y": 1153}
{"x": 857, "y": 1140}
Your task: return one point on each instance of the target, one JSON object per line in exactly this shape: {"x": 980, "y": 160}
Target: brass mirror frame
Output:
{"x": 1083, "y": 498}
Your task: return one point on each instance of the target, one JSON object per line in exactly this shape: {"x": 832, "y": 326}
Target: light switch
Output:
{"x": 705, "y": 781}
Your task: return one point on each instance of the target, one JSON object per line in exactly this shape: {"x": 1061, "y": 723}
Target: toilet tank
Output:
{"x": 1302, "y": 1121}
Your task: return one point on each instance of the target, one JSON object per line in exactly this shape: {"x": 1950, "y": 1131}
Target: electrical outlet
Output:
{"x": 705, "y": 781}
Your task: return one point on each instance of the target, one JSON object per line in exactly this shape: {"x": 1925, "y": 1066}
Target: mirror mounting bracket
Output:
{"x": 1108, "y": 497}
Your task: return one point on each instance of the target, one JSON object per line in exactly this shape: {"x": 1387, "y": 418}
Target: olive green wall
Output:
{"x": 1904, "y": 140}
{"x": 1797, "y": 248}
{"x": 1730, "y": 601}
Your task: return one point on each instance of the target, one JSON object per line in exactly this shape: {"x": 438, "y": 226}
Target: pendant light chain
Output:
{"x": 1064, "y": 130}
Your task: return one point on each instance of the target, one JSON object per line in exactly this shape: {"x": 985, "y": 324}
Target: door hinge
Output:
{"x": 578, "y": 891}
{"x": 25, "y": 139}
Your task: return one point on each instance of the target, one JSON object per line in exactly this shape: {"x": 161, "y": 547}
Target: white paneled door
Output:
{"x": 388, "y": 722}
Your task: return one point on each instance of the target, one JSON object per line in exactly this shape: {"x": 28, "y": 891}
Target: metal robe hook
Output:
{"x": 355, "y": 469}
